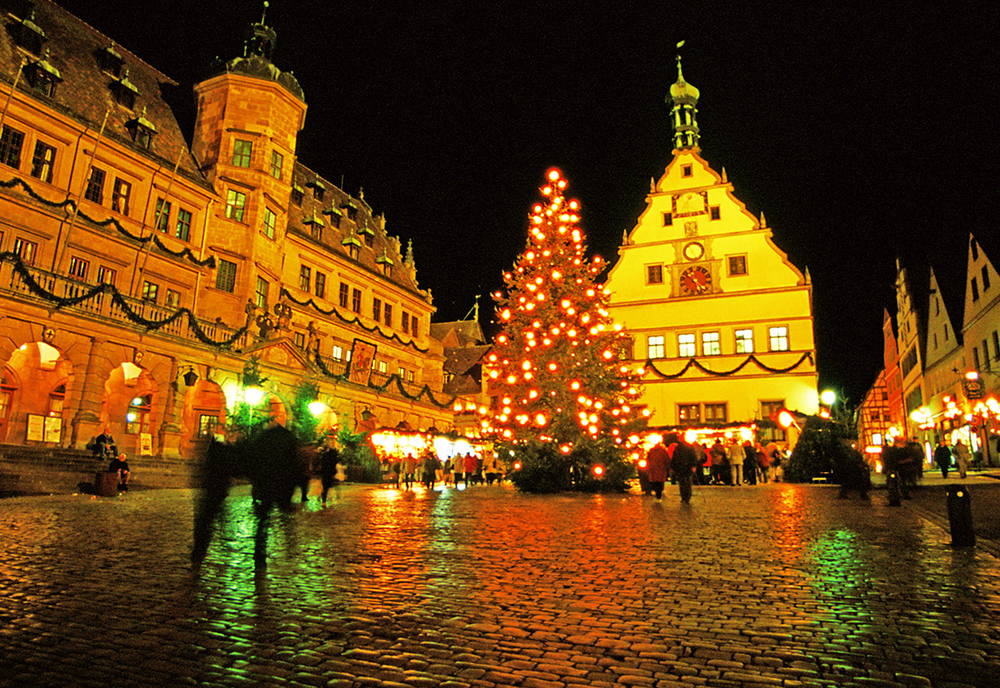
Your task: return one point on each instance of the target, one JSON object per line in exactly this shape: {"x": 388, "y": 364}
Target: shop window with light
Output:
{"x": 43, "y": 162}
{"x": 137, "y": 417}
{"x": 305, "y": 277}
{"x": 356, "y": 300}
{"x": 106, "y": 275}
{"x": 320, "y": 284}
{"x": 715, "y": 413}
{"x": 654, "y": 274}
{"x": 737, "y": 265}
{"x": 207, "y": 425}
{"x": 270, "y": 222}
{"x": 236, "y": 202}
{"x": 710, "y": 344}
{"x": 225, "y": 275}
{"x": 11, "y": 141}
{"x": 689, "y": 414}
{"x": 57, "y": 398}
{"x": 183, "y": 228}
{"x": 25, "y": 250}
{"x": 382, "y": 367}
{"x": 387, "y": 311}
{"x": 401, "y": 372}
{"x": 173, "y": 299}
{"x": 410, "y": 376}
{"x": 120, "y": 194}
{"x": 656, "y": 346}
{"x": 150, "y": 290}
{"x": 778, "y": 338}
{"x": 668, "y": 219}
{"x": 95, "y": 185}
{"x": 686, "y": 346}
{"x": 242, "y": 152}
{"x": 162, "y": 215}
{"x": 338, "y": 352}
{"x": 277, "y": 161}
{"x": 260, "y": 293}
{"x": 78, "y": 267}
{"x": 744, "y": 341}
{"x": 377, "y": 309}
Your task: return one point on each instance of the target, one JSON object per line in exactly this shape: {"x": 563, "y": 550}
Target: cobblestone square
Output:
{"x": 779, "y": 585}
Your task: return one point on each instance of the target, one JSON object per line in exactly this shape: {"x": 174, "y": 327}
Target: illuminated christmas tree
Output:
{"x": 556, "y": 364}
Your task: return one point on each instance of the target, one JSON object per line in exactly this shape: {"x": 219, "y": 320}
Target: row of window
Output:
{"x": 711, "y": 342}
{"x": 382, "y": 312}
{"x": 718, "y": 412}
{"x": 42, "y": 167}
{"x": 243, "y": 156}
{"x": 341, "y": 354}
{"x": 736, "y": 265}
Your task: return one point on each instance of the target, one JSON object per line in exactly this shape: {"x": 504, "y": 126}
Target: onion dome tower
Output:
{"x": 684, "y": 113}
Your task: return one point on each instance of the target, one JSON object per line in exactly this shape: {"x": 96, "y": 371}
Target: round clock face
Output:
{"x": 696, "y": 280}
{"x": 694, "y": 251}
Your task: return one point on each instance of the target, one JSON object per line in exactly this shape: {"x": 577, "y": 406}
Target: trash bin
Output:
{"x": 960, "y": 516}
{"x": 892, "y": 485}
{"x": 106, "y": 484}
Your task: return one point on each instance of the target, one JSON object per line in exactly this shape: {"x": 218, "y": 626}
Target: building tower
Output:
{"x": 683, "y": 99}
{"x": 248, "y": 120}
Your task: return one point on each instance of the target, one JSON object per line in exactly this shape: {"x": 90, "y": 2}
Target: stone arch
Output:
{"x": 38, "y": 379}
{"x": 129, "y": 406}
{"x": 205, "y": 411}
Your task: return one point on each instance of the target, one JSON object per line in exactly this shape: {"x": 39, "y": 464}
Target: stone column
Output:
{"x": 87, "y": 421}
{"x": 169, "y": 439}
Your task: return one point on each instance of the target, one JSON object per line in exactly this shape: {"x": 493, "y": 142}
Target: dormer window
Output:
{"x": 29, "y": 35}
{"x": 352, "y": 210}
{"x": 125, "y": 91}
{"x": 297, "y": 195}
{"x": 368, "y": 233}
{"x": 43, "y": 77}
{"x": 111, "y": 61}
{"x": 385, "y": 263}
{"x": 319, "y": 189}
{"x": 353, "y": 246}
{"x": 141, "y": 130}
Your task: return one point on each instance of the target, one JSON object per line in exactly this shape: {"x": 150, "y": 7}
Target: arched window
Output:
{"x": 137, "y": 418}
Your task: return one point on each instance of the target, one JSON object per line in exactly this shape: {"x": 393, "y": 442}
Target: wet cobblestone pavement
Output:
{"x": 779, "y": 585}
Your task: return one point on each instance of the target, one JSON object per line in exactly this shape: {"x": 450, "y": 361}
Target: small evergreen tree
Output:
{"x": 822, "y": 449}
{"x": 556, "y": 362}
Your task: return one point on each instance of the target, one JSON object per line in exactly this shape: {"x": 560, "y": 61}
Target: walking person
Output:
{"x": 409, "y": 469}
{"x": 763, "y": 462}
{"x": 961, "y": 453}
{"x": 942, "y": 457}
{"x": 736, "y": 457}
{"x": 749, "y": 463}
{"x": 683, "y": 459}
{"x": 656, "y": 467}
{"x": 718, "y": 455}
{"x": 329, "y": 461}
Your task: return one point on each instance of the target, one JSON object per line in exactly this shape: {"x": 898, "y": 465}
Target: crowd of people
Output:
{"x": 734, "y": 463}
{"x": 429, "y": 470}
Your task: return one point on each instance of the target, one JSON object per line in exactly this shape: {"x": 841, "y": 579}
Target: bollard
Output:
{"x": 960, "y": 516}
{"x": 892, "y": 485}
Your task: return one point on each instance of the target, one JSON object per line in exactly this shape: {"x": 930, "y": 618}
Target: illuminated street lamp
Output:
{"x": 253, "y": 395}
{"x": 828, "y": 397}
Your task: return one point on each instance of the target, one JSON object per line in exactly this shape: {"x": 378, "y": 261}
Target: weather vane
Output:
{"x": 264, "y": 13}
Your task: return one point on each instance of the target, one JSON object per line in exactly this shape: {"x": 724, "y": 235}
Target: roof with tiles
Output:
{"x": 375, "y": 251}
{"x": 86, "y": 91}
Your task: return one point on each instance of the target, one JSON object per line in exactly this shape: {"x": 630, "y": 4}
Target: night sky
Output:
{"x": 860, "y": 133}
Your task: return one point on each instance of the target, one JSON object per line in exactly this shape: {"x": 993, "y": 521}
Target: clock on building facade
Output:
{"x": 696, "y": 280}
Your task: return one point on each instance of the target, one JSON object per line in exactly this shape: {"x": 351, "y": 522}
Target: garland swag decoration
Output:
{"x": 350, "y": 321}
{"x": 116, "y": 297}
{"x": 68, "y": 203}
{"x": 426, "y": 392}
{"x": 692, "y": 362}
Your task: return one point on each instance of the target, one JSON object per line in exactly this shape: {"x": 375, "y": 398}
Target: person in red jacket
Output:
{"x": 656, "y": 467}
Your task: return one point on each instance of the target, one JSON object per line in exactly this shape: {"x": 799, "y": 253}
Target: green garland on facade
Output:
{"x": 151, "y": 325}
{"x": 692, "y": 362}
{"x": 68, "y": 203}
{"x": 352, "y": 321}
{"x": 426, "y": 392}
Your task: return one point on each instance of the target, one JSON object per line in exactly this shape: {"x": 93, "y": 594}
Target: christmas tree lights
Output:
{"x": 556, "y": 362}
